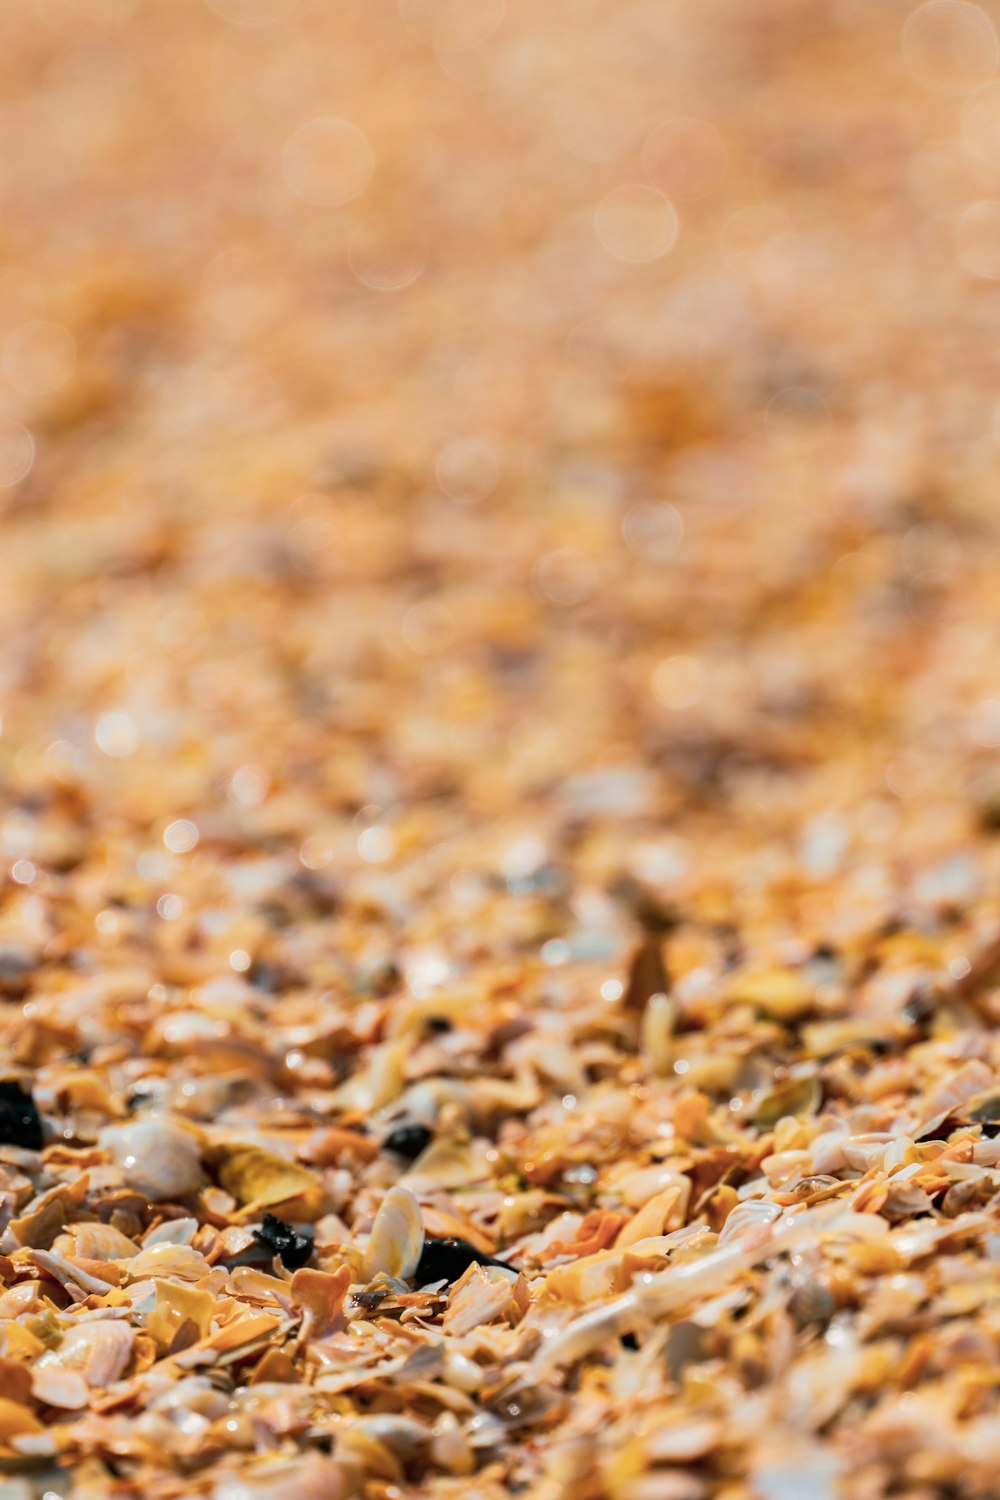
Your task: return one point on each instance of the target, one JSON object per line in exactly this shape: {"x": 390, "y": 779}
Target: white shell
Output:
{"x": 311, "y": 1478}
{"x": 157, "y": 1157}
{"x": 397, "y": 1236}
{"x": 172, "y": 1232}
{"x": 179, "y": 1261}
{"x": 100, "y": 1350}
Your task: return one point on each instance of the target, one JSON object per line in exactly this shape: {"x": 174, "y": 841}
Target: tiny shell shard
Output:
{"x": 499, "y": 729}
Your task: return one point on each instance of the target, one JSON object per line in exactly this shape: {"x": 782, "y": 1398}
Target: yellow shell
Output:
{"x": 795, "y": 1097}
{"x": 656, "y": 1033}
{"x": 177, "y": 1304}
{"x": 179, "y": 1261}
{"x": 782, "y": 994}
{"x": 666, "y": 1210}
{"x": 54, "y": 1385}
{"x": 95, "y": 1242}
{"x": 16, "y": 1420}
{"x": 261, "y": 1179}
{"x": 445, "y": 1163}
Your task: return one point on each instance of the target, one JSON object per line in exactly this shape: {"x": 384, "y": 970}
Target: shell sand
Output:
{"x": 499, "y": 800}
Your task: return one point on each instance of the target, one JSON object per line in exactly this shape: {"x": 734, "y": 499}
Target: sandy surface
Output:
{"x": 479, "y": 482}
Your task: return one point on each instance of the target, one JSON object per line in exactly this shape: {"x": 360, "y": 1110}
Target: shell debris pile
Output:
{"x": 499, "y": 799}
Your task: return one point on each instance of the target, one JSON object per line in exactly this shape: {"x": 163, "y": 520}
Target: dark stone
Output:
{"x": 447, "y": 1259}
{"x": 19, "y": 1122}
{"x": 276, "y": 1237}
{"x": 407, "y": 1141}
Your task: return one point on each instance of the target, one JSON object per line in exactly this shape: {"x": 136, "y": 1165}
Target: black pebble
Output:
{"x": 446, "y": 1259}
{"x": 370, "y": 1300}
{"x": 407, "y": 1141}
{"x": 139, "y": 1099}
{"x": 19, "y": 1122}
{"x": 279, "y": 1238}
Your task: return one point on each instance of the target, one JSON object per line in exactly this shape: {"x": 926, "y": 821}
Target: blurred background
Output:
{"x": 442, "y": 436}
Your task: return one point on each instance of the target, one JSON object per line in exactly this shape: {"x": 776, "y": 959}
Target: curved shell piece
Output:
{"x": 179, "y": 1261}
{"x": 54, "y": 1385}
{"x": 173, "y": 1232}
{"x": 796, "y": 1097}
{"x": 95, "y": 1242}
{"x": 397, "y": 1236}
{"x": 380, "y": 1082}
{"x": 100, "y": 1350}
{"x": 16, "y": 1420}
{"x": 311, "y": 1478}
{"x": 263, "y": 1179}
{"x": 443, "y": 1164}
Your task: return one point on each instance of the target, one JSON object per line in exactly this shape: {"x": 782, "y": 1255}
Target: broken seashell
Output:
{"x": 68, "y": 1273}
{"x": 445, "y": 1163}
{"x": 397, "y": 1237}
{"x": 261, "y": 1179}
{"x": 232, "y": 1341}
{"x": 796, "y": 1097}
{"x": 16, "y": 1380}
{"x": 16, "y": 1420}
{"x": 156, "y": 1156}
{"x": 310, "y": 1478}
{"x": 172, "y": 1232}
{"x": 403, "y": 1436}
{"x": 54, "y": 1385}
{"x": 321, "y": 1295}
{"x": 484, "y": 1293}
{"x": 597, "y": 1231}
{"x": 592, "y": 1277}
{"x": 176, "y": 1305}
{"x": 370, "y": 1454}
{"x": 95, "y": 1242}
{"x": 168, "y": 1260}
{"x": 100, "y": 1349}
{"x": 660, "y": 1215}
{"x": 380, "y": 1082}
{"x": 45, "y": 1215}
{"x": 782, "y": 994}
